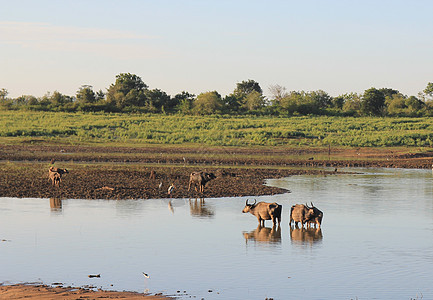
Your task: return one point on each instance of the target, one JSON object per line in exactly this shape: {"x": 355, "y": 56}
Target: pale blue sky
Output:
{"x": 199, "y": 46}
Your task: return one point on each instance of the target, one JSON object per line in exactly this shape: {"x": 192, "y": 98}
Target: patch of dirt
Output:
{"x": 44, "y": 292}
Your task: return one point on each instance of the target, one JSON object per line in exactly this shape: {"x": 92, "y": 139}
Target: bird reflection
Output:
{"x": 170, "y": 207}
{"x": 198, "y": 208}
{"x": 55, "y": 204}
{"x": 305, "y": 236}
{"x": 264, "y": 235}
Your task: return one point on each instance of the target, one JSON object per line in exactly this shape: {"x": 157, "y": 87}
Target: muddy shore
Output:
{"x": 44, "y": 292}
{"x": 146, "y": 173}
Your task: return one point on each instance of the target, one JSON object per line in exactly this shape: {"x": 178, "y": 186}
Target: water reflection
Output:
{"x": 199, "y": 208}
{"x": 305, "y": 236}
{"x": 264, "y": 235}
{"x": 56, "y": 204}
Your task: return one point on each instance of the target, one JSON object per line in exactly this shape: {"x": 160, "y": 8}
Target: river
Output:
{"x": 376, "y": 242}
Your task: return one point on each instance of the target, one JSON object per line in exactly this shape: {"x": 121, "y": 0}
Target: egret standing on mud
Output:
{"x": 171, "y": 189}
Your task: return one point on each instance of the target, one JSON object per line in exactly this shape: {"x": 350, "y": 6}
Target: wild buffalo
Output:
{"x": 55, "y": 175}
{"x": 200, "y": 179}
{"x": 305, "y": 214}
{"x": 264, "y": 211}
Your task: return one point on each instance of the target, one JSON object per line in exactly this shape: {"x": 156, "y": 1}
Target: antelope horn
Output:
{"x": 312, "y": 205}
{"x": 255, "y": 201}
{"x": 246, "y": 202}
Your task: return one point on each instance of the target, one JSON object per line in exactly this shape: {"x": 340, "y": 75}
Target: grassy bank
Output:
{"x": 216, "y": 130}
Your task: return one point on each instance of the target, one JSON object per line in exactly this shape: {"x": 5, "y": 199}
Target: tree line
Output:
{"x": 130, "y": 94}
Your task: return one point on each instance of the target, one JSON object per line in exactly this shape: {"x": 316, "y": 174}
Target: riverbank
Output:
{"x": 147, "y": 172}
{"x": 44, "y": 292}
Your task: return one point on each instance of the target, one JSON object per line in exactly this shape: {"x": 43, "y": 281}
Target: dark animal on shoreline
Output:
{"x": 305, "y": 215}
{"x": 55, "y": 175}
{"x": 264, "y": 211}
{"x": 200, "y": 179}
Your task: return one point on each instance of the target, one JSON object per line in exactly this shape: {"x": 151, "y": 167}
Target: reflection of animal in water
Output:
{"x": 264, "y": 234}
{"x": 55, "y": 203}
{"x": 55, "y": 175}
{"x": 198, "y": 208}
{"x": 304, "y": 214}
{"x": 264, "y": 211}
{"x": 305, "y": 235}
{"x": 170, "y": 207}
{"x": 200, "y": 179}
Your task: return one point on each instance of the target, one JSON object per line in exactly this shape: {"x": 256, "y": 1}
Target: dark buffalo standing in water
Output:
{"x": 264, "y": 211}
{"x": 200, "y": 179}
{"x": 305, "y": 214}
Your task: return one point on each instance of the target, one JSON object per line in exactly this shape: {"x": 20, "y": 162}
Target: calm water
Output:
{"x": 376, "y": 242}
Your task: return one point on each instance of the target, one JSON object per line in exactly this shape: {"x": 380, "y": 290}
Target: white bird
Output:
{"x": 146, "y": 275}
{"x": 170, "y": 189}
{"x": 160, "y": 185}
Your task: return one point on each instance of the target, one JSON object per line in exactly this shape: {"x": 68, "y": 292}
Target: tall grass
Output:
{"x": 218, "y": 130}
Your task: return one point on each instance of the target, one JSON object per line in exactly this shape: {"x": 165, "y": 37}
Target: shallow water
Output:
{"x": 376, "y": 242}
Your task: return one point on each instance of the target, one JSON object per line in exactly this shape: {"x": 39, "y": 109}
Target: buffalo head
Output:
{"x": 248, "y": 207}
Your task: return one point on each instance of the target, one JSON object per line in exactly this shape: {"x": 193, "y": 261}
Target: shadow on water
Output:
{"x": 305, "y": 236}
{"x": 264, "y": 235}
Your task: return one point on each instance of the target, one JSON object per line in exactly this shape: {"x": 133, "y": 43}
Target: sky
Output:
{"x": 339, "y": 46}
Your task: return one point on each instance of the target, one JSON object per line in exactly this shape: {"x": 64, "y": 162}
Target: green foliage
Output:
{"x": 128, "y": 90}
{"x": 218, "y": 130}
{"x": 429, "y": 89}
{"x": 208, "y": 103}
{"x": 373, "y": 102}
{"x": 86, "y": 94}
{"x": 129, "y": 94}
{"x": 246, "y": 87}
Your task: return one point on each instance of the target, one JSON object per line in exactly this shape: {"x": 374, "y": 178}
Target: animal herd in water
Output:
{"x": 299, "y": 213}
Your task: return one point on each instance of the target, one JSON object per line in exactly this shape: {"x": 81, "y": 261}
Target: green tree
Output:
{"x": 157, "y": 100}
{"x": 352, "y": 104}
{"x": 338, "y": 102}
{"x": 208, "y": 103}
{"x": 429, "y": 89}
{"x": 253, "y": 101}
{"x": 183, "y": 102}
{"x": 246, "y": 87}
{"x": 289, "y": 104}
{"x": 86, "y": 94}
{"x": 128, "y": 90}
{"x": 235, "y": 102}
{"x": 56, "y": 101}
{"x": 388, "y": 92}
{"x": 320, "y": 99}
{"x": 3, "y": 94}
{"x": 373, "y": 102}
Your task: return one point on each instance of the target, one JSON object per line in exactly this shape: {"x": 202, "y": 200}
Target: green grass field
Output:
{"x": 216, "y": 130}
